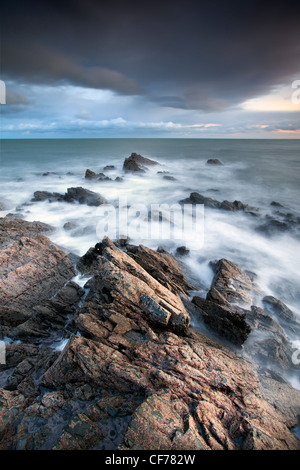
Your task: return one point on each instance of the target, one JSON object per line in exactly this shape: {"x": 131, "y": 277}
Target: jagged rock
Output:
{"x": 196, "y": 198}
{"x": 134, "y": 376}
{"x": 225, "y": 321}
{"x": 84, "y": 196}
{"x": 279, "y": 308}
{"x": 213, "y": 161}
{"x": 163, "y": 423}
{"x": 162, "y": 266}
{"x": 46, "y": 195}
{"x": 13, "y": 229}
{"x": 31, "y": 271}
{"x": 109, "y": 167}
{"x": 89, "y": 174}
{"x": 231, "y": 283}
{"x": 182, "y": 251}
{"x": 137, "y": 163}
{"x": 169, "y": 178}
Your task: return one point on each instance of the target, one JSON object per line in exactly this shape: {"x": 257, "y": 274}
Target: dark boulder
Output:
{"x": 84, "y": 196}
{"x": 214, "y": 161}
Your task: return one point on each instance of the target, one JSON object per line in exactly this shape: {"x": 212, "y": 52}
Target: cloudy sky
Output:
{"x": 180, "y": 68}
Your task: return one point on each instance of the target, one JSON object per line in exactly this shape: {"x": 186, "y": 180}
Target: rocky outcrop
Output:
{"x": 84, "y": 196}
{"x": 196, "y": 198}
{"x": 230, "y": 284}
{"x": 137, "y": 163}
{"x": 214, "y": 161}
{"x": 79, "y": 194}
{"x": 91, "y": 175}
{"x": 133, "y": 374}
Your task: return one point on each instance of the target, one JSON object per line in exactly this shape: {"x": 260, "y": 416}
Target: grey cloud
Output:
{"x": 189, "y": 55}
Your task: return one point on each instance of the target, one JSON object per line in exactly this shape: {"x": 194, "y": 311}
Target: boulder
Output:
{"x": 196, "y": 198}
{"x": 46, "y": 195}
{"x": 137, "y": 163}
{"x": 31, "y": 270}
{"x": 109, "y": 168}
{"x": 233, "y": 284}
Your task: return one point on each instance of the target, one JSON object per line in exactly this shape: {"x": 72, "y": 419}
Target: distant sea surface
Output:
{"x": 256, "y": 172}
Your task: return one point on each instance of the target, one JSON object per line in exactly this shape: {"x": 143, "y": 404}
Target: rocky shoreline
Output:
{"x": 113, "y": 351}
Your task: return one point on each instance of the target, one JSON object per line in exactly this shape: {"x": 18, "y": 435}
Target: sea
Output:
{"x": 264, "y": 174}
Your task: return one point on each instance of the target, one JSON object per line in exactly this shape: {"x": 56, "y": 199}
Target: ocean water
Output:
{"x": 255, "y": 172}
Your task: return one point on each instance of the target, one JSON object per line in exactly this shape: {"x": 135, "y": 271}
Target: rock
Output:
{"x": 70, "y": 226}
{"x": 233, "y": 284}
{"x": 118, "y": 274}
{"x": 275, "y": 204}
{"x": 46, "y": 195}
{"x": 196, "y": 198}
{"x": 272, "y": 227}
{"x": 13, "y": 229}
{"x": 89, "y": 174}
{"x": 137, "y": 163}
{"x": 32, "y": 268}
{"x": 227, "y": 322}
{"x": 49, "y": 173}
{"x": 169, "y": 178}
{"x": 163, "y": 422}
{"x": 278, "y": 308}
{"x": 162, "y": 266}
{"x": 119, "y": 179}
{"x": 84, "y": 196}
{"x": 182, "y": 251}
{"x": 213, "y": 161}
{"x": 133, "y": 375}
{"x": 268, "y": 344}
{"x": 109, "y": 168}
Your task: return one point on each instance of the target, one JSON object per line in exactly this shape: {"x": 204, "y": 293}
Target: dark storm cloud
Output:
{"x": 185, "y": 54}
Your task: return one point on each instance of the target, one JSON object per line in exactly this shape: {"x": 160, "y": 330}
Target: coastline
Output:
{"x": 136, "y": 370}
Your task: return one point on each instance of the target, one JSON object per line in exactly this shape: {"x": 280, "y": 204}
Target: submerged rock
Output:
{"x": 214, "y": 161}
{"x": 137, "y": 163}
{"x": 196, "y": 198}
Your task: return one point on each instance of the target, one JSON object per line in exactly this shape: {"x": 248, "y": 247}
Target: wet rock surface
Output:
{"x": 78, "y": 194}
{"x": 137, "y": 163}
{"x": 133, "y": 374}
{"x": 196, "y": 198}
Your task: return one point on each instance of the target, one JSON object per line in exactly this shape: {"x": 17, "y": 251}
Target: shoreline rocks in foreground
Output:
{"x": 133, "y": 374}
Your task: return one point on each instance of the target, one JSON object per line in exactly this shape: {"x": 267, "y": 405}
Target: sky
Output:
{"x": 180, "y": 68}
